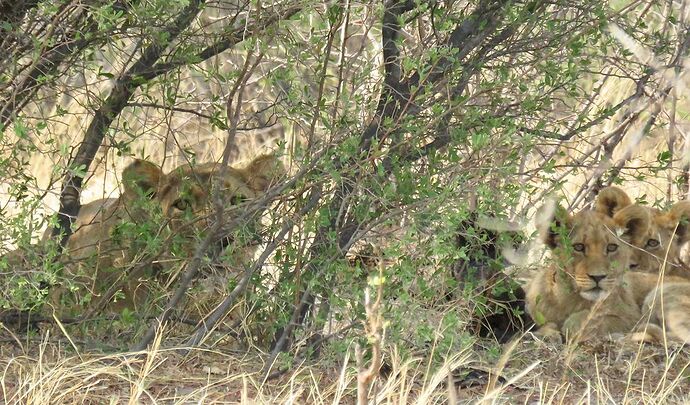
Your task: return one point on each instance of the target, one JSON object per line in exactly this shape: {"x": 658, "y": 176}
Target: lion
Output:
{"x": 584, "y": 290}
{"x": 664, "y": 298}
{"x": 667, "y": 309}
{"x": 589, "y": 290}
{"x": 658, "y": 248}
{"x": 117, "y": 241}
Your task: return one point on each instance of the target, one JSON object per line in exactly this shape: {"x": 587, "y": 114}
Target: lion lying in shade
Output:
{"x": 120, "y": 245}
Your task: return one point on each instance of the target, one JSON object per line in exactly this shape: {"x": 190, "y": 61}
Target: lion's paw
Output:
{"x": 549, "y": 333}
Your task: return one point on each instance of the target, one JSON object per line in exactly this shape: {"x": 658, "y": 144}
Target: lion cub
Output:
{"x": 659, "y": 246}
{"x": 584, "y": 289}
{"x": 117, "y": 240}
{"x": 659, "y": 278}
{"x": 589, "y": 290}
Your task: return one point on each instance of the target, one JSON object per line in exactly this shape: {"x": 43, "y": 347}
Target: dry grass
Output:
{"x": 529, "y": 371}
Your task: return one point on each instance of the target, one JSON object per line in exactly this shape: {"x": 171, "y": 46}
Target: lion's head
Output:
{"x": 659, "y": 244}
{"x": 112, "y": 235}
{"x": 591, "y": 250}
{"x": 184, "y": 195}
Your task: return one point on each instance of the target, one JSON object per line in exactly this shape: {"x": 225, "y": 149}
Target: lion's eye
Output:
{"x": 181, "y": 204}
{"x": 652, "y": 243}
{"x": 579, "y": 247}
{"x": 237, "y": 199}
{"x": 611, "y": 247}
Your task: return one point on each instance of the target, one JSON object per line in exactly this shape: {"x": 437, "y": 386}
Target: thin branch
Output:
{"x": 171, "y": 108}
{"x": 639, "y": 92}
{"x": 195, "y": 264}
{"x": 144, "y": 70}
{"x": 374, "y": 329}
{"x": 73, "y": 42}
{"x": 231, "y": 39}
{"x": 220, "y": 312}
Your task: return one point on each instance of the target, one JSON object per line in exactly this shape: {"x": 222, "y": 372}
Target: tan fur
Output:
{"x": 659, "y": 246}
{"x": 611, "y": 200}
{"x": 586, "y": 291}
{"x": 669, "y": 308}
{"x": 665, "y": 297}
{"x": 680, "y": 214}
{"x": 665, "y": 307}
{"x": 99, "y": 257}
{"x": 655, "y": 306}
{"x": 678, "y": 218}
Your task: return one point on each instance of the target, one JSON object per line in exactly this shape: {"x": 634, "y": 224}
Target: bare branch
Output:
{"x": 213, "y": 234}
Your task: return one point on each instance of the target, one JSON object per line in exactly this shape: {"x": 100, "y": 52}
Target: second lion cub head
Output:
{"x": 591, "y": 249}
{"x": 659, "y": 245}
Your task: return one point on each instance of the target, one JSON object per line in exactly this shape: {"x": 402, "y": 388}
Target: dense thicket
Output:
{"x": 397, "y": 122}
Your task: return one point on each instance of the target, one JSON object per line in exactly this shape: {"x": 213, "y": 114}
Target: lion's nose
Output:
{"x": 597, "y": 278}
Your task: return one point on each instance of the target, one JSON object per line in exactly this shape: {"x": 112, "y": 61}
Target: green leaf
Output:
{"x": 539, "y": 318}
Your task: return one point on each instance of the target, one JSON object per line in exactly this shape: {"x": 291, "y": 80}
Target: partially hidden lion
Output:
{"x": 588, "y": 290}
{"x": 667, "y": 308}
{"x": 584, "y": 289}
{"x": 120, "y": 243}
{"x": 657, "y": 248}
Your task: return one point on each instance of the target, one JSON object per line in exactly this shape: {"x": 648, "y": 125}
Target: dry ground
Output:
{"x": 49, "y": 371}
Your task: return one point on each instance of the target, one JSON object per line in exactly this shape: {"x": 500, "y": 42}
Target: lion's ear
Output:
{"x": 611, "y": 200}
{"x": 553, "y": 225}
{"x": 263, "y": 172}
{"x": 141, "y": 177}
{"x": 635, "y": 221}
{"x": 680, "y": 214}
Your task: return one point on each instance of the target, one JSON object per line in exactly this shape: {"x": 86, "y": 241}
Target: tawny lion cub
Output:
{"x": 588, "y": 291}
{"x": 106, "y": 241}
{"x": 659, "y": 247}
{"x": 584, "y": 289}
